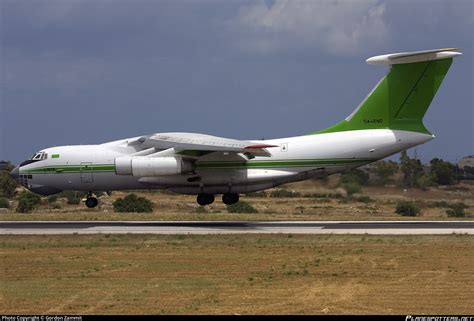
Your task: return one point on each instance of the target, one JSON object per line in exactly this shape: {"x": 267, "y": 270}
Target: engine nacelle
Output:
{"x": 149, "y": 166}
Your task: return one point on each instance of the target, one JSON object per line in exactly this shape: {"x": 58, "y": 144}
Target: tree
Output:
{"x": 7, "y": 184}
{"x": 426, "y": 180}
{"x": 355, "y": 175}
{"x": 443, "y": 171}
{"x": 4, "y": 203}
{"x": 411, "y": 169}
{"x": 385, "y": 171}
{"x": 468, "y": 172}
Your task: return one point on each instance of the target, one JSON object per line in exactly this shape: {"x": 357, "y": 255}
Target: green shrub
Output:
{"x": 133, "y": 203}
{"x": 456, "y": 209}
{"x": 27, "y": 202}
{"x": 201, "y": 210}
{"x": 323, "y": 195}
{"x": 4, "y": 203}
{"x": 441, "y": 204}
{"x": 459, "y": 204}
{"x": 52, "y": 199}
{"x": 281, "y": 193}
{"x": 73, "y": 197}
{"x": 458, "y": 188}
{"x": 56, "y": 206}
{"x": 406, "y": 208}
{"x": 241, "y": 207}
{"x": 351, "y": 187}
{"x": 364, "y": 199}
{"x": 257, "y": 194}
{"x": 445, "y": 204}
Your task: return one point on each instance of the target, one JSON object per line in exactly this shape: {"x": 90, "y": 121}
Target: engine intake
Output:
{"x": 149, "y": 166}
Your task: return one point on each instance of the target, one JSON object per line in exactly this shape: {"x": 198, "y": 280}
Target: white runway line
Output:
{"x": 233, "y": 227}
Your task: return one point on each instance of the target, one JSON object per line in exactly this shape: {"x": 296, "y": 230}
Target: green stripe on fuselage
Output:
{"x": 280, "y": 163}
{"x": 66, "y": 169}
{"x": 100, "y": 168}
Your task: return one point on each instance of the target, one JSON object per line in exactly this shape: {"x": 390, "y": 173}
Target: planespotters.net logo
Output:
{"x": 438, "y": 318}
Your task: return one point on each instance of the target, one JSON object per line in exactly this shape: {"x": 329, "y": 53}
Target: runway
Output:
{"x": 237, "y": 227}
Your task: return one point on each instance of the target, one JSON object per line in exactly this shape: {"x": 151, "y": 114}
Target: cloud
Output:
{"x": 337, "y": 27}
{"x": 52, "y": 72}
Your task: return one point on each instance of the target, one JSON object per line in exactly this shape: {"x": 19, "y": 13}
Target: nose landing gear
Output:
{"x": 91, "y": 201}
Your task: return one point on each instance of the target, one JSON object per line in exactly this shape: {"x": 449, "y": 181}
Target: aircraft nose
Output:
{"x": 15, "y": 173}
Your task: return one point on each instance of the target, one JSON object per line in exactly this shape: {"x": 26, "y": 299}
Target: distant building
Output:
{"x": 467, "y": 161}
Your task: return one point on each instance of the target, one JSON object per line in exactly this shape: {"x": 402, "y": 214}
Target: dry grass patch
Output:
{"x": 236, "y": 274}
{"x": 315, "y": 201}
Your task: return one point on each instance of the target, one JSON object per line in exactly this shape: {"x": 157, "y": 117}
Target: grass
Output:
{"x": 308, "y": 200}
{"x": 225, "y": 274}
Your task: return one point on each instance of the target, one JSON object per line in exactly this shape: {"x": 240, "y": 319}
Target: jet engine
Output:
{"x": 152, "y": 166}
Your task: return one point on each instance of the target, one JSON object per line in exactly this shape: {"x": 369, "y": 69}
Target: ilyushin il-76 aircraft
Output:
{"x": 387, "y": 121}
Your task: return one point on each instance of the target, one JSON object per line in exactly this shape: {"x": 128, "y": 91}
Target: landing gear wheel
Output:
{"x": 91, "y": 202}
{"x": 205, "y": 199}
{"x": 229, "y": 198}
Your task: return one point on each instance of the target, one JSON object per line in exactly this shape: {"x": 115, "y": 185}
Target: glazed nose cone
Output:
{"x": 15, "y": 173}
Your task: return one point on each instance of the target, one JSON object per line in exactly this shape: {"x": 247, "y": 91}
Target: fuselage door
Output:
{"x": 86, "y": 173}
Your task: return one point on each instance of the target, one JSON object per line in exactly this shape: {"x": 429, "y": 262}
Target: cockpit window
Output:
{"x": 39, "y": 156}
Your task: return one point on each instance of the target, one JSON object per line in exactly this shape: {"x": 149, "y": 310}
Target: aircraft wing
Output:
{"x": 195, "y": 145}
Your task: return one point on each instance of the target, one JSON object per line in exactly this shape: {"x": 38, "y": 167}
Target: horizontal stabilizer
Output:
{"x": 414, "y": 56}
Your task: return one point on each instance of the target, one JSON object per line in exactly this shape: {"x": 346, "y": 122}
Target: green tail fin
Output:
{"x": 401, "y": 99}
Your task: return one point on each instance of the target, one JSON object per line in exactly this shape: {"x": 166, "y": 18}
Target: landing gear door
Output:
{"x": 86, "y": 173}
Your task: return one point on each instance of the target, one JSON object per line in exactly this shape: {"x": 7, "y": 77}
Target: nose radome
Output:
{"x": 15, "y": 173}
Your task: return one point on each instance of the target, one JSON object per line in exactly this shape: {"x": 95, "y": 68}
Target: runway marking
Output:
{"x": 236, "y": 227}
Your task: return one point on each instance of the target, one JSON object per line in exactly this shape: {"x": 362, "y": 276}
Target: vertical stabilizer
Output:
{"x": 401, "y": 99}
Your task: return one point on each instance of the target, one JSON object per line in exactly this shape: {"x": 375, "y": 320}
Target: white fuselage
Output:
{"x": 92, "y": 167}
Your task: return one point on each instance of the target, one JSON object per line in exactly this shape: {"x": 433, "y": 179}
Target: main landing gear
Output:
{"x": 227, "y": 198}
{"x": 91, "y": 201}
{"x": 205, "y": 199}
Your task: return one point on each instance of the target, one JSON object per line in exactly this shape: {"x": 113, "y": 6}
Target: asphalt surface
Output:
{"x": 240, "y": 227}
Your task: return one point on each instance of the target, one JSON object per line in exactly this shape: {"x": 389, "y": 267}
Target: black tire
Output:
{"x": 91, "y": 202}
{"x": 230, "y": 198}
{"x": 205, "y": 199}
{"x": 210, "y": 199}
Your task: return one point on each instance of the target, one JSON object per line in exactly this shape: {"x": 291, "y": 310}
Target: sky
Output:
{"x": 85, "y": 72}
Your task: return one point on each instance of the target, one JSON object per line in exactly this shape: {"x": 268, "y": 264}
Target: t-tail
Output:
{"x": 401, "y": 98}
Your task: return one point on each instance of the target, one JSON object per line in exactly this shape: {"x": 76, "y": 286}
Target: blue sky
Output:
{"x": 79, "y": 72}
